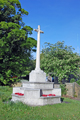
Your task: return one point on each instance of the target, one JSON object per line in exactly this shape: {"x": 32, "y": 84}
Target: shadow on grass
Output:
{"x": 62, "y": 100}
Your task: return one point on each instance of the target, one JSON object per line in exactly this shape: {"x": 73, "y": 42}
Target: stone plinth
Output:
{"x": 37, "y": 76}
{"x": 38, "y": 85}
{"x": 33, "y": 92}
{"x": 34, "y": 97}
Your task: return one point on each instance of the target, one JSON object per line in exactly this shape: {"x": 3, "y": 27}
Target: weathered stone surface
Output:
{"x": 77, "y": 90}
{"x": 73, "y": 89}
{"x": 38, "y": 48}
{"x": 44, "y": 101}
{"x": 18, "y": 89}
{"x": 16, "y": 98}
{"x": 56, "y": 91}
{"x": 37, "y": 76}
{"x": 38, "y": 85}
{"x": 34, "y": 96}
{"x": 70, "y": 87}
{"x": 56, "y": 85}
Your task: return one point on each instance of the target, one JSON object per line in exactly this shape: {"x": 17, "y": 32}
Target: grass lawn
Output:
{"x": 19, "y": 111}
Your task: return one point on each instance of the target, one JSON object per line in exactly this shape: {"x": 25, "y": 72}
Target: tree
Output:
{"x": 15, "y": 45}
{"x": 59, "y": 60}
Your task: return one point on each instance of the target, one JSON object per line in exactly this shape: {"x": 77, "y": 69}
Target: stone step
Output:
{"x": 56, "y": 91}
{"x": 33, "y": 96}
{"x": 37, "y": 101}
{"x": 51, "y": 100}
{"x": 43, "y": 101}
{"x": 17, "y": 98}
{"x": 38, "y": 85}
{"x": 18, "y": 89}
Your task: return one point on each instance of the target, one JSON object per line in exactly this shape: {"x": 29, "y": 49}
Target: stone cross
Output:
{"x": 38, "y": 48}
{"x": 37, "y": 75}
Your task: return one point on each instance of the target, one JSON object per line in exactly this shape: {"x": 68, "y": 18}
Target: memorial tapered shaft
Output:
{"x": 38, "y": 48}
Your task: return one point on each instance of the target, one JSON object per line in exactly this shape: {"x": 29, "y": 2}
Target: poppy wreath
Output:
{"x": 48, "y": 95}
{"x": 20, "y": 94}
{"x": 14, "y": 77}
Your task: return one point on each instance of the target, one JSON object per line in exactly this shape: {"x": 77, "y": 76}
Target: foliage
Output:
{"x": 75, "y": 95}
{"x": 63, "y": 89}
{"x": 59, "y": 60}
{"x": 20, "y": 111}
{"x": 72, "y": 80}
{"x": 78, "y": 82}
{"x": 15, "y": 45}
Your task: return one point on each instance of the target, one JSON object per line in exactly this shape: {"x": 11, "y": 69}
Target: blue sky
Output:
{"x": 59, "y": 19}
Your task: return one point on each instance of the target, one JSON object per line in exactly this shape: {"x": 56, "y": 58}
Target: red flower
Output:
{"x": 53, "y": 94}
{"x": 44, "y": 95}
{"x": 48, "y": 95}
{"x": 20, "y": 94}
{"x": 14, "y": 77}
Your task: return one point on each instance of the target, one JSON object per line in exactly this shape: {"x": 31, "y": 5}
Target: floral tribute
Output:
{"x": 20, "y": 94}
{"x": 14, "y": 77}
{"x": 48, "y": 95}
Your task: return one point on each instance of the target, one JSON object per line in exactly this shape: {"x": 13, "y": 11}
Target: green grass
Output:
{"x": 19, "y": 111}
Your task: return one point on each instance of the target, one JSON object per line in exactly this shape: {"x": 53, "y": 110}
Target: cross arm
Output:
{"x": 36, "y": 30}
{"x": 41, "y": 31}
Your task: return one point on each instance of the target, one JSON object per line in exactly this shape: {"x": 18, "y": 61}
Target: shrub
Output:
{"x": 78, "y": 82}
{"x": 72, "y": 80}
{"x": 63, "y": 89}
{"x": 75, "y": 95}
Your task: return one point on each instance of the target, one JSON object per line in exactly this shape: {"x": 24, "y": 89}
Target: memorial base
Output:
{"x": 37, "y": 76}
{"x": 33, "y": 91}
